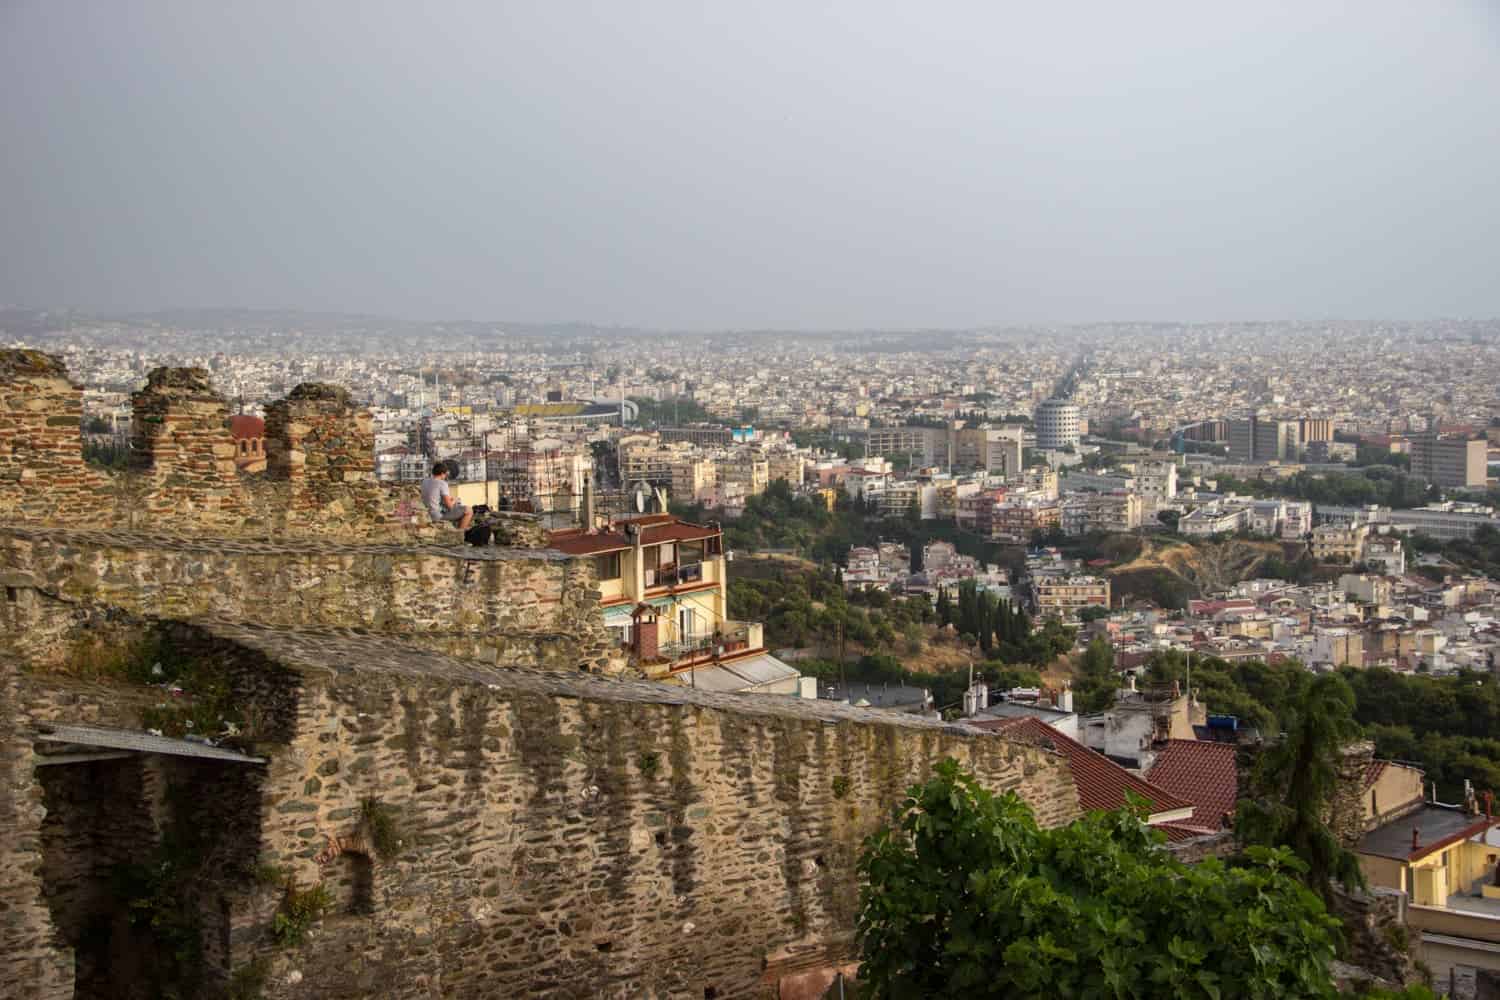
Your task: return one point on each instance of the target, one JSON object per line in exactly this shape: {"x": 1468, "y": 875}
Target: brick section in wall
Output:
{"x": 319, "y": 480}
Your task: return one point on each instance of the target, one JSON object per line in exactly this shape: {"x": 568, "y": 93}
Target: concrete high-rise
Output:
{"x": 1261, "y": 439}
{"x": 1450, "y": 462}
{"x": 1057, "y": 425}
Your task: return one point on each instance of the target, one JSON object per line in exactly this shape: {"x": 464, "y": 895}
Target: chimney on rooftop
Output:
{"x": 1416, "y": 837}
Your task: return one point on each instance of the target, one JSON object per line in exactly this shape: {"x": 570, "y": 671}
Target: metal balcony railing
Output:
{"x": 730, "y": 637}
{"x": 674, "y": 576}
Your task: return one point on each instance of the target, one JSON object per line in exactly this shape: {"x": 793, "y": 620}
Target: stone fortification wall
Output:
{"x": 41, "y": 446}
{"x": 571, "y": 835}
{"x": 181, "y": 449}
{"x": 557, "y": 834}
{"x": 511, "y": 606}
{"x": 319, "y": 479}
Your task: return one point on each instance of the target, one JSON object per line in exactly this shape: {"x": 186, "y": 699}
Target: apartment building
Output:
{"x": 1443, "y": 858}
{"x": 976, "y": 512}
{"x": 1296, "y": 520}
{"x": 643, "y": 459}
{"x": 693, "y": 478}
{"x": 1385, "y": 553}
{"x": 786, "y": 465}
{"x": 1064, "y": 595}
{"x": 747, "y": 468}
{"x": 663, "y": 591}
{"x": 1039, "y": 481}
{"x": 1219, "y": 517}
{"x": 548, "y": 469}
{"x": 1156, "y": 482}
{"x": 898, "y": 498}
{"x": 928, "y": 444}
{"x": 1262, "y": 439}
{"x": 1339, "y": 542}
{"x": 1015, "y": 520}
{"x": 708, "y": 436}
{"x": 1450, "y": 462}
{"x": 996, "y": 450}
{"x": 1118, "y": 511}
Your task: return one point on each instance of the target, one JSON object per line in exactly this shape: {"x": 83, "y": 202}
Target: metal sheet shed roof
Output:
{"x": 750, "y": 674}
{"x": 138, "y": 742}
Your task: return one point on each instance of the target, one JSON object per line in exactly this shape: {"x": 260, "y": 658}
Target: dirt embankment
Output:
{"x": 1169, "y": 574}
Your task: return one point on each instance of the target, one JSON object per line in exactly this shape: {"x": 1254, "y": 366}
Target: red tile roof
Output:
{"x": 1101, "y": 782}
{"x": 1203, "y": 773}
{"x": 243, "y": 426}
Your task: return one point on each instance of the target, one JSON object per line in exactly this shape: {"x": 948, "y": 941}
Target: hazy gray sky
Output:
{"x": 755, "y": 164}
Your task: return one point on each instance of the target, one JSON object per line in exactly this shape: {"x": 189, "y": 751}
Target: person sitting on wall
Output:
{"x": 440, "y": 503}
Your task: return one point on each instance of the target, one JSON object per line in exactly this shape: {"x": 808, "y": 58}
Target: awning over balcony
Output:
{"x": 760, "y": 672}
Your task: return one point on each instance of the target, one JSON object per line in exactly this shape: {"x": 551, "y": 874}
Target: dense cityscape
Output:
{"x": 1032, "y": 531}
{"x": 749, "y": 502}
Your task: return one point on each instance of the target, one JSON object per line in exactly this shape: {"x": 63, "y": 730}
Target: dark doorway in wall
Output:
{"x": 139, "y": 853}
{"x": 350, "y": 878}
{"x": 98, "y": 822}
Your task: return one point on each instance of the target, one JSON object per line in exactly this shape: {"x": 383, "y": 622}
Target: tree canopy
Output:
{"x": 1295, "y": 779}
{"x": 965, "y": 895}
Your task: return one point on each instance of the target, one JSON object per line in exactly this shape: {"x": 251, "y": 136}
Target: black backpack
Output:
{"x": 479, "y": 534}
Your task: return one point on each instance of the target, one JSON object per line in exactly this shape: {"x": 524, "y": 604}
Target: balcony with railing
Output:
{"x": 671, "y": 575}
{"x": 729, "y": 638}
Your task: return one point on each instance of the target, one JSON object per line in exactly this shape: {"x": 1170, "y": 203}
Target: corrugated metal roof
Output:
{"x": 749, "y": 674}
{"x": 128, "y": 739}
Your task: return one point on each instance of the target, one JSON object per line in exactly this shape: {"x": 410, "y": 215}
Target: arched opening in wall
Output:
{"x": 350, "y": 879}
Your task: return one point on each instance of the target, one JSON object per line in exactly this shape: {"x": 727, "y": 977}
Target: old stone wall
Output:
{"x": 41, "y": 450}
{"x": 324, "y": 450}
{"x": 570, "y": 835}
{"x": 319, "y": 480}
{"x": 1345, "y": 814}
{"x": 556, "y": 834}
{"x": 35, "y": 633}
{"x": 511, "y": 606}
{"x": 182, "y": 449}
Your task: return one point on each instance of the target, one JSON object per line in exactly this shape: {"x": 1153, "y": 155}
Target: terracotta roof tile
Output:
{"x": 1202, "y": 772}
{"x": 242, "y": 425}
{"x": 1101, "y": 782}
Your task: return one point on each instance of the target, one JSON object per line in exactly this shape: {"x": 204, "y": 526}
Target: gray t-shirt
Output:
{"x": 433, "y": 491}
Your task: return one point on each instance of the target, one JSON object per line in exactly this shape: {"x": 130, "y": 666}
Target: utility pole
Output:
{"x": 843, "y": 680}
